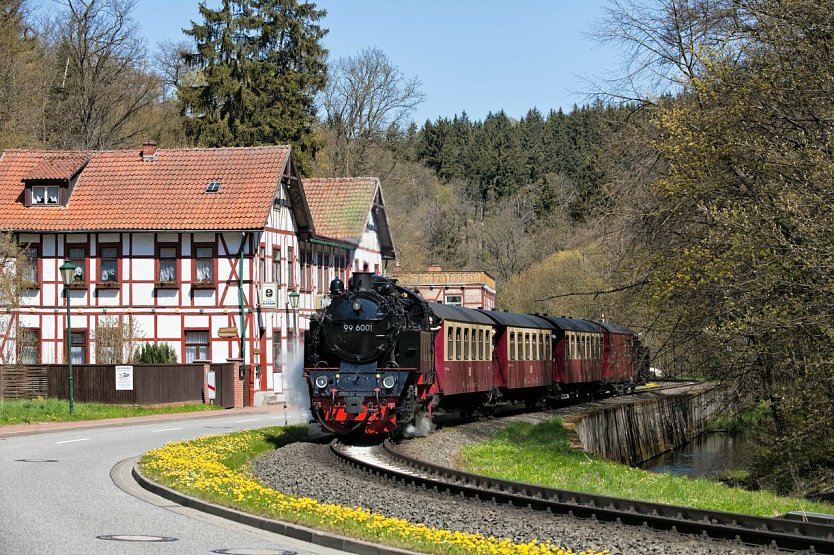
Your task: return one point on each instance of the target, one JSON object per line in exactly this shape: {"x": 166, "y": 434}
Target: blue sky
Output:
{"x": 472, "y": 55}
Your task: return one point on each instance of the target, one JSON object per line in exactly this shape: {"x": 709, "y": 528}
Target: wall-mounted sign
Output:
{"x": 124, "y": 378}
{"x": 227, "y": 332}
{"x": 269, "y": 295}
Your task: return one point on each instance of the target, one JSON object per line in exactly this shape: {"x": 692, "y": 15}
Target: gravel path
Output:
{"x": 315, "y": 473}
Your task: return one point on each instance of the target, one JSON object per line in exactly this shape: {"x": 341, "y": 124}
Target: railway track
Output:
{"x": 386, "y": 461}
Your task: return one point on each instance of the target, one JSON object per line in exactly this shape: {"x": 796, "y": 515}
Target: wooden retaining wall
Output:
{"x": 633, "y": 432}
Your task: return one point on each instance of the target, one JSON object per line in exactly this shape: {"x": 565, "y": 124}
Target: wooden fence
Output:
{"x": 23, "y": 382}
{"x": 96, "y": 383}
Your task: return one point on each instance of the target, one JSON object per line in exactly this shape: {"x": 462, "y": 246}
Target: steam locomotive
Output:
{"x": 380, "y": 359}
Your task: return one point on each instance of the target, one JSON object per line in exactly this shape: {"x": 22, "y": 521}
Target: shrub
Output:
{"x": 157, "y": 353}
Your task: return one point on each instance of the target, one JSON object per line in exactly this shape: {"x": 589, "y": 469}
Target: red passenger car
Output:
{"x": 523, "y": 354}
{"x": 463, "y": 355}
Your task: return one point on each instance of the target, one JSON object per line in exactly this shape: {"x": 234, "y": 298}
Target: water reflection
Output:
{"x": 707, "y": 456}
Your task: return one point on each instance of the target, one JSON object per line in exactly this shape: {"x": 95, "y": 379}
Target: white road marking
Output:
{"x": 167, "y": 429}
{"x": 248, "y": 420}
{"x": 74, "y": 440}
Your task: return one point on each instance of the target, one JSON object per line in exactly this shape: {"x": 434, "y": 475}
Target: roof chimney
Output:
{"x": 435, "y": 267}
{"x": 149, "y": 151}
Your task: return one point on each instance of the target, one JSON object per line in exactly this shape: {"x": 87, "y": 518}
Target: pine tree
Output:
{"x": 258, "y": 66}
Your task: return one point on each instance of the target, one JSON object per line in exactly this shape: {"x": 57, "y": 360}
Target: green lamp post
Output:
{"x": 68, "y": 275}
{"x": 293, "y": 295}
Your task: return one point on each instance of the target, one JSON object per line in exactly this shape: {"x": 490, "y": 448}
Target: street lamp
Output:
{"x": 68, "y": 275}
{"x": 293, "y": 295}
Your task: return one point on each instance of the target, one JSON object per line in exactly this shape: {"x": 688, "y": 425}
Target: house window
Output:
{"x": 454, "y": 300}
{"x": 276, "y": 265}
{"x": 262, "y": 264}
{"x": 30, "y": 271}
{"x": 196, "y": 345}
{"x": 47, "y": 195}
{"x": 307, "y": 270}
{"x": 109, "y": 271}
{"x": 78, "y": 347}
{"x": 290, "y": 268}
{"x": 29, "y": 342}
{"x": 204, "y": 265}
{"x": 78, "y": 256}
{"x": 339, "y": 270}
{"x": 323, "y": 260}
{"x": 276, "y": 350}
{"x": 167, "y": 264}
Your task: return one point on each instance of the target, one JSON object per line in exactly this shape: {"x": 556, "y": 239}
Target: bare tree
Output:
{"x": 366, "y": 95}
{"x": 21, "y": 85}
{"x": 115, "y": 339}
{"x": 104, "y": 83}
{"x": 171, "y": 66}
{"x": 662, "y": 44}
{"x": 14, "y": 279}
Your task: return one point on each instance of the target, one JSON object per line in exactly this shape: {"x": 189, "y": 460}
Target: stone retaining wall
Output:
{"x": 636, "y": 430}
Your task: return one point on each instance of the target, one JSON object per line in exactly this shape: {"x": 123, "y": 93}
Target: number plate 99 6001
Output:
{"x": 363, "y": 327}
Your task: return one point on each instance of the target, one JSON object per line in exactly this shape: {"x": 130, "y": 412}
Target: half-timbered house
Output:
{"x": 212, "y": 251}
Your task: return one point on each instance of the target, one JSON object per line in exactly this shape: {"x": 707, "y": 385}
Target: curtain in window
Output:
{"x": 196, "y": 346}
{"x": 167, "y": 264}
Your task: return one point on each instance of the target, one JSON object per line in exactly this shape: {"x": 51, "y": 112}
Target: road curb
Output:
{"x": 294, "y": 531}
{"x": 17, "y": 430}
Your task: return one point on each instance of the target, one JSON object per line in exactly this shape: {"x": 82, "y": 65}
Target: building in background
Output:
{"x": 467, "y": 289}
{"x": 213, "y": 251}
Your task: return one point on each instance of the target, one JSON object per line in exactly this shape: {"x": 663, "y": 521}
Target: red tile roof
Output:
{"x": 117, "y": 190}
{"x": 340, "y": 206}
{"x": 58, "y": 166}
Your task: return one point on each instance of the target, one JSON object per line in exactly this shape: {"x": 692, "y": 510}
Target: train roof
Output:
{"x": 517, "y": 319}
{"x": 572, "y": 324}
{"x": 611, "y": 327}
{"x": 459, "y": 314}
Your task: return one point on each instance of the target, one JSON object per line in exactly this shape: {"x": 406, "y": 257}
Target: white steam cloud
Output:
{"x": 423, "y": 426}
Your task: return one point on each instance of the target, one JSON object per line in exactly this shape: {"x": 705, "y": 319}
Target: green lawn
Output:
{"x": 541, "y": 454}
{"x": 55, "y": 410}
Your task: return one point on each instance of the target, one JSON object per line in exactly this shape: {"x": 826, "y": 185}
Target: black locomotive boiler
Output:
{"x": 368, "y": 356}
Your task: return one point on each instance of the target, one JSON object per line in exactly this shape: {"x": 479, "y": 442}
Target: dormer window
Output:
{"x": 51, "y": 181}
{"x": 46, "y": 195}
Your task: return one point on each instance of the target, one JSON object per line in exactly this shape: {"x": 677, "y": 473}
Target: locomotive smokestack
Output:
{"x": 360, "y": 281}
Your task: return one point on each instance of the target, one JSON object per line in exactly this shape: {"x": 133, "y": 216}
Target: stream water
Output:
{"x": 707, "y": 456}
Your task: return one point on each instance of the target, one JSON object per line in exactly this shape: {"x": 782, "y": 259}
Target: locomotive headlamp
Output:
{"x": 388, "y": 382}
{"x": 357, "y": 305}
{"x": 321, "y": 382}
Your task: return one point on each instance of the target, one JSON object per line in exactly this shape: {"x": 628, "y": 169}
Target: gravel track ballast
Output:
{"x": 309, "y": 470}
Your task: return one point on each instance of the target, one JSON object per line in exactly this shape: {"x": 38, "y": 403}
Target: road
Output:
{"x": 57, "y": 494}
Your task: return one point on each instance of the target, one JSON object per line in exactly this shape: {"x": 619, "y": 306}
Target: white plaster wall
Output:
{"x": 143, "y": 245}
{"x": 168, "y": 326}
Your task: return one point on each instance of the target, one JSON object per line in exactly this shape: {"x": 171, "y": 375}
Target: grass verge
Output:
{"x": 214, "y": 468}
{"x": 57, "y": 410}
{"x": 541, "y": 454}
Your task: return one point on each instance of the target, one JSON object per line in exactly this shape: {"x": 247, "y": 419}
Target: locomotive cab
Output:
{"x": 366, "y": 357}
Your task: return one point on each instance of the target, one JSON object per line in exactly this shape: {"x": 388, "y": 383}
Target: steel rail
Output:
{"x": 784, "y": 534}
